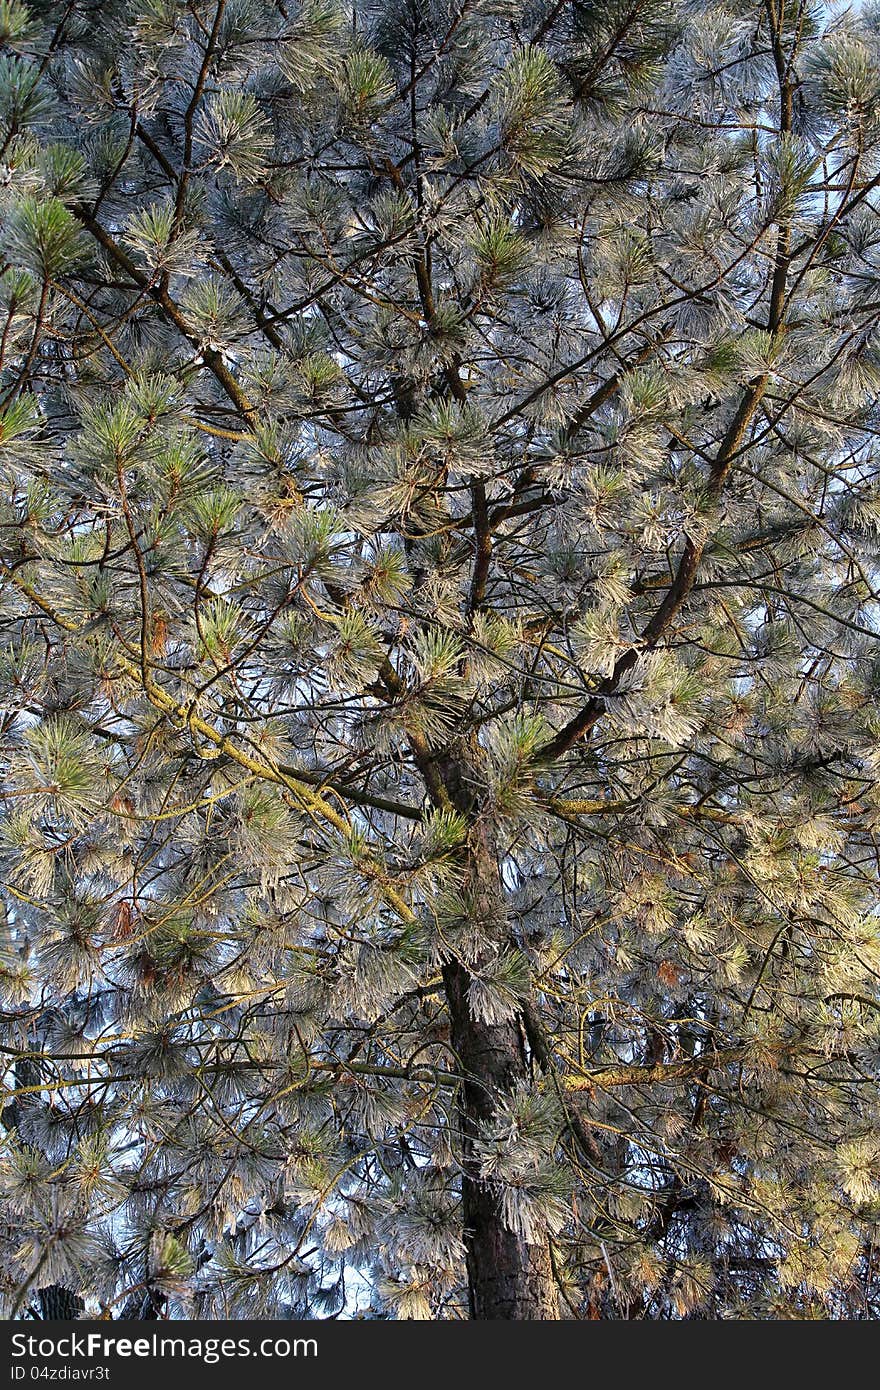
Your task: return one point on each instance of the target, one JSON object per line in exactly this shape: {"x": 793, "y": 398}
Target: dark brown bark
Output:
{"x": 58, "y": 1304}
{"x": 507, "y": 1276}
{"x": 54, "y": 1302}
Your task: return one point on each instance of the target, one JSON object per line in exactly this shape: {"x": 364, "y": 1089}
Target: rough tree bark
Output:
{"x": 54, "y": 1302}
{"x": 508, "y": 1277}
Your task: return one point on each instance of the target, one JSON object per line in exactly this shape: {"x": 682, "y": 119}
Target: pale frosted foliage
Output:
{"x": 439, "y": 597}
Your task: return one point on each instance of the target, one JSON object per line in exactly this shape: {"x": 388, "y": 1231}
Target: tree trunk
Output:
{"x": 58, "y": 1304}
{"x": 55, "y": 1302}
{"x": 507, "y": 1276}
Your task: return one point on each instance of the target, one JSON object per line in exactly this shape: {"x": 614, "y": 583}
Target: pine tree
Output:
{"x": 439, "y": 663}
